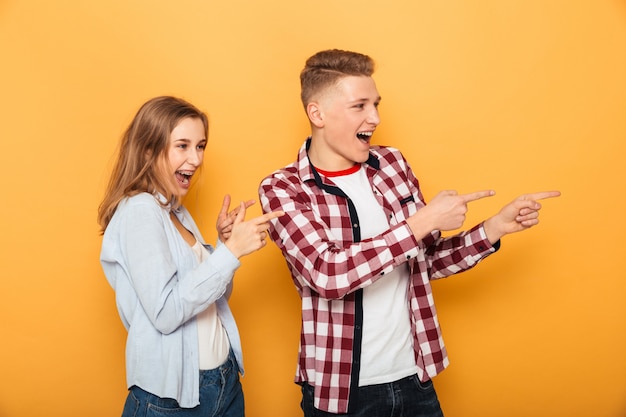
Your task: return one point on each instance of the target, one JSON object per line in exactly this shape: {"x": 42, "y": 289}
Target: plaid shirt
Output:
{"x": 319, "y": 236}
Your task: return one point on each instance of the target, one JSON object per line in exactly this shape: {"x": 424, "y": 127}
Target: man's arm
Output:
{"x": 319, "y": 259}
{"x": 458, "y": 253}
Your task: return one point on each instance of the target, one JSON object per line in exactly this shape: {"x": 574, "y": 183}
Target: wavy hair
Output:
{"x": 142, "y": 150}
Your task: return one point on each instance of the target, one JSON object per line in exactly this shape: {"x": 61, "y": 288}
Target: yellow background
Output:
{"x": 517, "y": 96}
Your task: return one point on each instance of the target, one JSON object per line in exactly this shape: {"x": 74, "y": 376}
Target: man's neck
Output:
{"x": 321, "y": 158}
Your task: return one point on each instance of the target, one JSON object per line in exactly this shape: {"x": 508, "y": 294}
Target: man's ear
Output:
{"x": 314, "y": 112}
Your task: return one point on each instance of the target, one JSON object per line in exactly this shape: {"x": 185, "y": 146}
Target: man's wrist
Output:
{"x": 492, "y": 230}
{"x": 419, "y": 225}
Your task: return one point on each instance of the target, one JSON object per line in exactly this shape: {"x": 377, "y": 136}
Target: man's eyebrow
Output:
{"x": 359, "y": 100}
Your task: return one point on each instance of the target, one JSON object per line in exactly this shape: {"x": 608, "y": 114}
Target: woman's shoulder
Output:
{"x": 142, "y": 204}
{"x": 141, "y": 208}
{"x": 140, "y": 199}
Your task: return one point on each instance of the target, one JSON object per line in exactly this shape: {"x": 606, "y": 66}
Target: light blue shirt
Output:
{"x": 160, "y": 287}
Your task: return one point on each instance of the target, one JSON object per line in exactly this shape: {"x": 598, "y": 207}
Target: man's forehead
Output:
{"x": 355, "y": 88}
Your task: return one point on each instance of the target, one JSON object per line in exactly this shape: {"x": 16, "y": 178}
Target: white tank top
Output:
{"x": 212, "y": 338}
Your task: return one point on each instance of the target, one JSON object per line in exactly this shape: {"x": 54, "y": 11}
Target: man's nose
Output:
{"x": 374, "y": 117}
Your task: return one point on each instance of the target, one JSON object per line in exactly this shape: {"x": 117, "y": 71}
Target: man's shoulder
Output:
{"x": 382, "y": 151}
{"x": 288, "y": 173}
{"x": 388, "y": 157}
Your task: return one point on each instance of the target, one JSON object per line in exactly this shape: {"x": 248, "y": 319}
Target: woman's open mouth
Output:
{"x": 184, "y": 177}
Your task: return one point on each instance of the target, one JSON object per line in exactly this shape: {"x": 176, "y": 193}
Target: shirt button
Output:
{"x": 355, "y": 225}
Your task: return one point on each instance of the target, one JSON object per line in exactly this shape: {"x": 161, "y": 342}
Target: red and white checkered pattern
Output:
{"x": 319, "y": 238}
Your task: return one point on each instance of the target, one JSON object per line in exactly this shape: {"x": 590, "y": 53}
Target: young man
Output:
{"x": 362, "y": 246}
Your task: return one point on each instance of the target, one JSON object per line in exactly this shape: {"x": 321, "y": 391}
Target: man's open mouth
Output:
{"x": 364, "y": 136}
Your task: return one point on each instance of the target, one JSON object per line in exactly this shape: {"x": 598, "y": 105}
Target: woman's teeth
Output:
{"x": 183, "y": 177}
{"x": 366, "y": 136}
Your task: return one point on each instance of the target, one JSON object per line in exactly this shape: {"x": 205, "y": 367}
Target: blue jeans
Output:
{"x": 407, "y": 397}
{"x": 220, "y": 395}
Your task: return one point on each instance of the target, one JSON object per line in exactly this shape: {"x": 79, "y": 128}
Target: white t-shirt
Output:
{"x": 387, "y": 346}
{"x": 212, "y": 338}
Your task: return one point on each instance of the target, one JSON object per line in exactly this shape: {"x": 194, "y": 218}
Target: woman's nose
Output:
{"x": 195, "y": 157}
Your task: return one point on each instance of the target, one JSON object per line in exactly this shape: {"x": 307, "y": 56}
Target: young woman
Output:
{"x": 183, "y": 352}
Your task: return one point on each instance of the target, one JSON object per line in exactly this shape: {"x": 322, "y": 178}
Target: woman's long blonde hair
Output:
{"x": 143, "y": 147}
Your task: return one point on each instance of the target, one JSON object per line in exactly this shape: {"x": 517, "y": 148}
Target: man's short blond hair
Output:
{"x": 326, "y": 68}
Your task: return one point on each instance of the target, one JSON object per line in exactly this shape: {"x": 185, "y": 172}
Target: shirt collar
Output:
{"x": 166, "y": 204}
{"x": 307, "y": 171}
